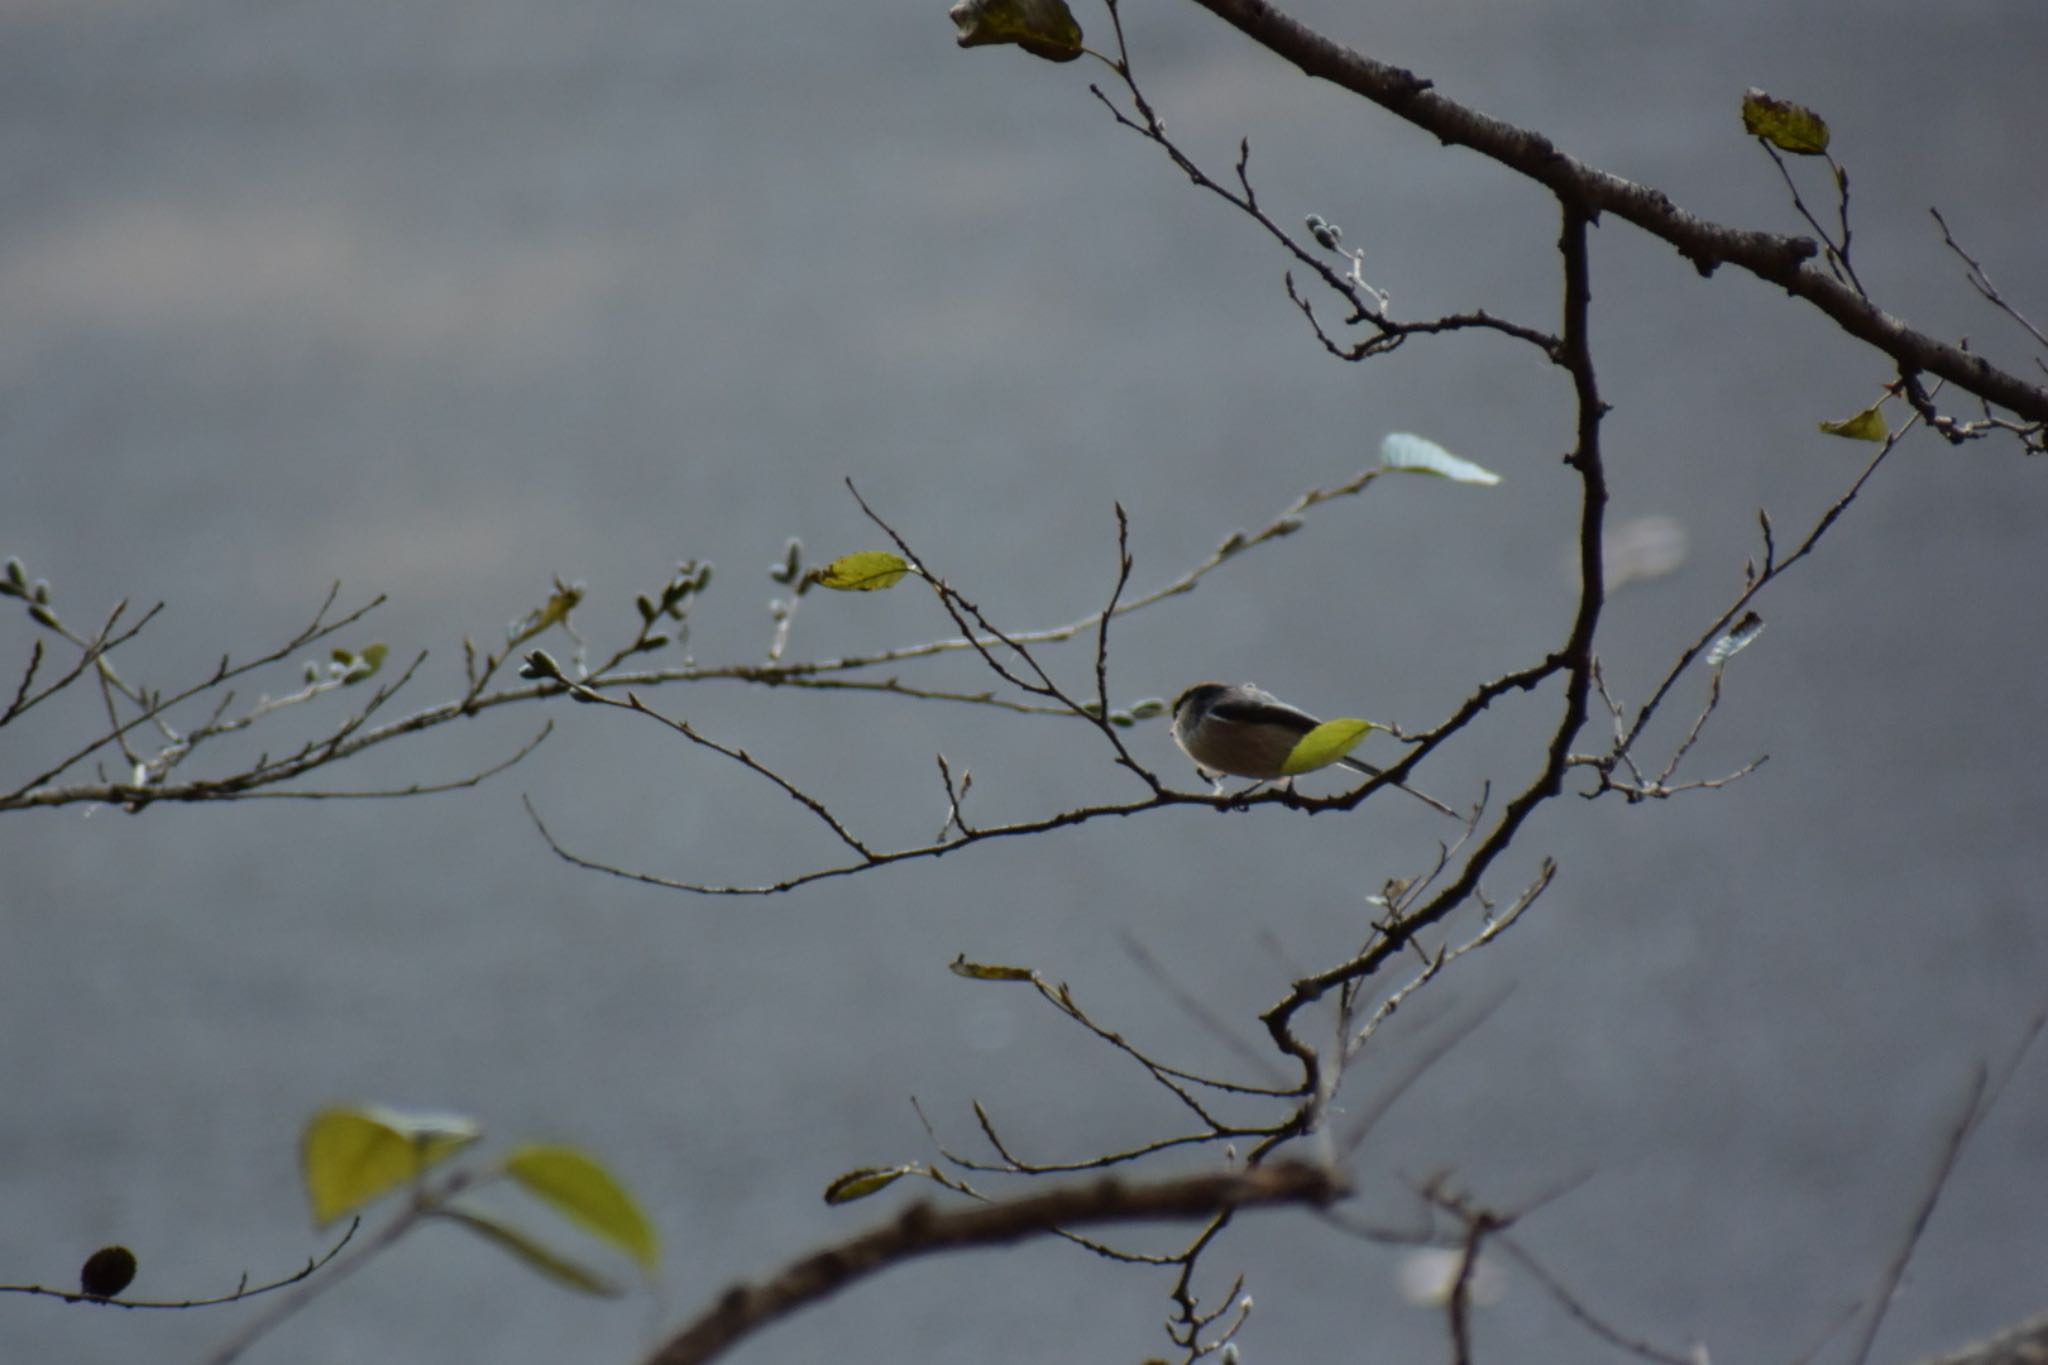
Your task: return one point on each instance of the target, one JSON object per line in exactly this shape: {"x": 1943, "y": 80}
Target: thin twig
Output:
{"x": 1197, "y": 1010}
{"x": 1984, "y": 1093}
{"x": 245, "y": 1290}
{"x": 1968, "y": 1113}
{"x": 1981, "y": 282}
{"x": 1757, "y": 579}
{"x": 1583, "y": 1315}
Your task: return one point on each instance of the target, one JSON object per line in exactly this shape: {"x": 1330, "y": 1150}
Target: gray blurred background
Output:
{"x": 441, "y": 299}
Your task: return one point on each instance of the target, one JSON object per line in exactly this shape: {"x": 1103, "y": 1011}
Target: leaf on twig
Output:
{"x": 1417, "y": 455}
{"x": 356, "y": 667}
{"x": 863, "y": 1181}
{"x": 988, "y": 971}
{"x": 1044, "y": 28}
{"x": 560, "y": 603}
{"x": 861, "y": 571}
{"x": 578, "y": 1187}
{"x": 1325, "y": 744}
{"x": 1787, "y": 126}
{"x": 1867, "y": 425}
{"x": 348, "y": 1157}
{"x": 1735, "y": 639}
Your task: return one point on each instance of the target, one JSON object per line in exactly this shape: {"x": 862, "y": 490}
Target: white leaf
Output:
{"x": 1739, "y": 637}
{"x": 1399, "y": 450}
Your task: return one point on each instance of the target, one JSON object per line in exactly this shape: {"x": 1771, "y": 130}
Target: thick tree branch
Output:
{"x": 1782, "y": 260}
{"x": 922, "y": 1231}
{"x": 2024, "y": 1344}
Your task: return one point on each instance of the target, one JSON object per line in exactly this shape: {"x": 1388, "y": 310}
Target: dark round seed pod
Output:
{"x": 106, "y": 1272}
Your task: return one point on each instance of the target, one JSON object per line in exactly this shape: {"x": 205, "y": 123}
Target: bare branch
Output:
{"x": 1416, "y": 1068}
{"x": 922, "y": 1231}
{"x": 1584, "y": 1316}
{"x": 1458, "y": 1306}
{"x": 33, "y": 793}
{"x": 475, "y": 779}
{"x": 22, "y": 698}
{"x": 1755, "y": 579}
{"x": 2025, "y": 1344}
{"x": 352, "y": 737}
{"x": 739, "y": 756}
{"x": 1981, "y": 282}
{"x": 873, "y": 858}
{"x": 1836, "y": 243}
{"x": 92, "y": 652}
{"x": 1193, "y": 1006}
{"x": 1574, "y": 660}
{"x": 1784, "y": 261}
{"x": 242, "y": 1291}
{"x": 1368, "y": 305}
{"x": 1012, "y": 1164}
{"x": 1983, "y": 1095}
{"x": 1968, "y": 1115}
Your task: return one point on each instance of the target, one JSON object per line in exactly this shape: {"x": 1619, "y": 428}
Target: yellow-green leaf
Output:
{"x": 560, "y": 603}
{"x": 1867, "y": 425}
{"x": 1418, "y": 455}
{"x": 360, "y": 666}
{"x": 584, "y": 1192}
{"x": 1787, "y": 126}
{"x": 1325, "y": 744}
{"x": 863, "y": 1181}
{"x": 348, "y": 1157}
{"x": 1044, "y": 28}
{"x": 862, "y": 571}
{"x": 557, "y": 1267}
{"x": 988, "y": 971}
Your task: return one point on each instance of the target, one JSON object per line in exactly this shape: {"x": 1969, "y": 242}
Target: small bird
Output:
{"x": 1248, "y": 733}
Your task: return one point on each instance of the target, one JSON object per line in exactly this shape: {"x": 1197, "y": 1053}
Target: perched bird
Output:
{"x": 1248, "y": 733}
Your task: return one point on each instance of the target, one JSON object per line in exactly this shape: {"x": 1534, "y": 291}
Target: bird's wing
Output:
{"x": 1268, "y": 711}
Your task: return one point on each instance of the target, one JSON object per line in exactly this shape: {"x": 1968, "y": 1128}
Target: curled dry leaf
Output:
{"x": 1044, "y": 28}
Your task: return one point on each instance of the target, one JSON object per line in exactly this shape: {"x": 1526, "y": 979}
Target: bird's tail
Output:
{"x": 1370, "y": 771}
